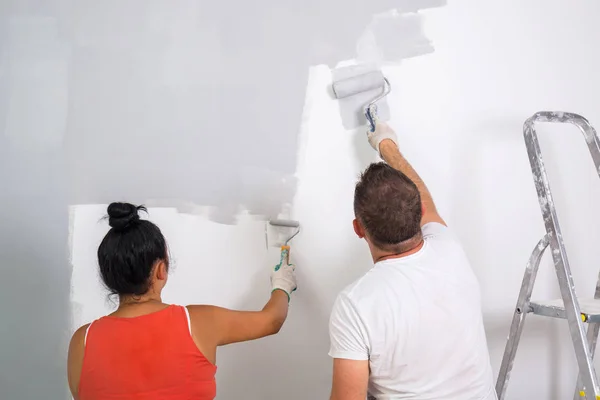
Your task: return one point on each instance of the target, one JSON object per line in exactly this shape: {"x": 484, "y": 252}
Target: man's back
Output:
{"x": 418, "y": 321}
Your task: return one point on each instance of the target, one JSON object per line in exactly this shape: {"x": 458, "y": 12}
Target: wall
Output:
{"x": 144, "y": 100}
{"x": 458, "y": 111}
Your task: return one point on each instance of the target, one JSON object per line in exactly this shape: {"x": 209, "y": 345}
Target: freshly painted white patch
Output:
{"x": 389, "y": 37}
{"x": 204, "y": 255}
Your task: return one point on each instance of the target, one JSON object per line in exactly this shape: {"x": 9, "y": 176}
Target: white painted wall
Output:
{"x": 459, "y": 115}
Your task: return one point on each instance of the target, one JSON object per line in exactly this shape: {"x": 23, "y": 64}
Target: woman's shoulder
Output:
{"x": 203, "y": 312}
{"x": 79, "y": 334}
{"x": 75, "y": 357}
{"x": 78, "y": 339}
{"x": 203, "y": 316}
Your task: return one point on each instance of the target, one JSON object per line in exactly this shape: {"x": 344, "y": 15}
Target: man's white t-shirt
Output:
{"x": 418, "y": 321}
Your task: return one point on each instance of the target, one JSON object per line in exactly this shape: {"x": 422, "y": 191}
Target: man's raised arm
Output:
{"x": 384, "y": 141}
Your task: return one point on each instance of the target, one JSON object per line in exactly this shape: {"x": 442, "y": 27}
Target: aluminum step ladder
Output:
{"x": 577, "y": 312}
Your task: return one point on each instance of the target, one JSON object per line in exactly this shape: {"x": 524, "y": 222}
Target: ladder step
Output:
{"x": 590, "y": 309}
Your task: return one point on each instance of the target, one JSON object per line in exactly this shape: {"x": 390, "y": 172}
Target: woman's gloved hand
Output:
{"x": 283, "y": 276}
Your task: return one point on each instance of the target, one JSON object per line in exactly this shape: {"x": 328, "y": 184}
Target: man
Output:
{"x": 411, "y": 327}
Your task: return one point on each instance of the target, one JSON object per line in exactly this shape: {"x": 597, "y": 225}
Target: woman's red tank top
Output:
{"x": 148, "y": 357}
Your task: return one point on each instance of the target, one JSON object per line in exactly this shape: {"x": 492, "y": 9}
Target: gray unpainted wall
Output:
{"x": 137, "y": 100}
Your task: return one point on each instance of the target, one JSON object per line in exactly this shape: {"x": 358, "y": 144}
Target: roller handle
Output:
{"x": 285, "y": 255}
{"x": 371, "y": 115}
{"x": 371, "y": 108}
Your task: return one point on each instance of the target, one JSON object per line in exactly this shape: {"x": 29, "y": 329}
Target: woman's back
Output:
{"x": 150, "y": 350}
{"x": 151, "y": 356}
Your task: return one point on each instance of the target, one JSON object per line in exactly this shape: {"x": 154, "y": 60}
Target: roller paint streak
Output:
{"x": 390, "y": 37}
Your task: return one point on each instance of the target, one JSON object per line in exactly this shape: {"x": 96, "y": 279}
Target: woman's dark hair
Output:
{"x": 130, "y": 250}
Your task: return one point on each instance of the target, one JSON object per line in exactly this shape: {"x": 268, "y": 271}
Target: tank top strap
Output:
{"x": 189, "y": 321}
{"x": 86, "y": 333}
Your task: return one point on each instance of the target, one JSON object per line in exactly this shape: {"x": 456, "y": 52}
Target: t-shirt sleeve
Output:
{"x": 347, "y": 332}
{"x": 435, "y": 229}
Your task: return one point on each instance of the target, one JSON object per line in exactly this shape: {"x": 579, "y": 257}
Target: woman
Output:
{"x": 152, "y": 350}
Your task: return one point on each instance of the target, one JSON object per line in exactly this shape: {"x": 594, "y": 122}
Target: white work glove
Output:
{"x": 382, "y": 131}
{"x": 283, "y": 276}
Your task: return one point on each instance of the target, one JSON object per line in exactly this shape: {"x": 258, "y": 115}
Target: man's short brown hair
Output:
{"x": 388, "y": 205}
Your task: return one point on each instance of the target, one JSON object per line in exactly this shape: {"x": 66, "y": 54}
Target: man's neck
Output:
{"x": 412, "y": 246}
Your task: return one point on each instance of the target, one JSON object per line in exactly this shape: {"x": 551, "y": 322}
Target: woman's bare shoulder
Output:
{"x": 204, "y": 312}
{"x": 75, "y": 359}
{"x": 79, "y": 334}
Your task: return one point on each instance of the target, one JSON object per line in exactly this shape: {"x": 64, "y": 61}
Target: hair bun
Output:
{"x": 123, "y": 215}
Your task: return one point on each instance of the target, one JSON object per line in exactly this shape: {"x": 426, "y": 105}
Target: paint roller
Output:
{"x": 286, "y": 223}
{"x": 364, "y": 82}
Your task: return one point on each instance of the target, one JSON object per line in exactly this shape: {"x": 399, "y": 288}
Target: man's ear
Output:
{"x": 358, "y": 229}
{"x": 423, "y": 209}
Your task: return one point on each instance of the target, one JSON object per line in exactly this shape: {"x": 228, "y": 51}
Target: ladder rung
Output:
{"x": 590, "y": 309}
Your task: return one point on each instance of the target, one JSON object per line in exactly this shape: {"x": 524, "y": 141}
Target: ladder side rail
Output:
{"x": 559, "y": 256}
{"x": 589, "y": 133}
{"x": 520, "y": 312}
{"x": 592, "y": 339}
{"x": 591, "y": 138}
